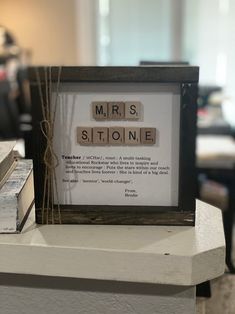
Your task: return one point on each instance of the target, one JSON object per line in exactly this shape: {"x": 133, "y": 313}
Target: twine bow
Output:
{"x": 51, "y": 161}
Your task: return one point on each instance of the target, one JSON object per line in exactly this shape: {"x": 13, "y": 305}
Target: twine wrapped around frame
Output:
{"x": 51, "y": 161}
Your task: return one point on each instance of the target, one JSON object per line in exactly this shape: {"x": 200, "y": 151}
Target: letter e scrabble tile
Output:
{"x": 148, "y": 136}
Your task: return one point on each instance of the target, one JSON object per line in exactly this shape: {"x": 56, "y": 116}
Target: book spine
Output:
{"x": 9, "y": 196}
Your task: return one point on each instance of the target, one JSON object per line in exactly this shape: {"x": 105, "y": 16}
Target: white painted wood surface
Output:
{"x": 24, "y": 294}
{"x": 148, "y": 254}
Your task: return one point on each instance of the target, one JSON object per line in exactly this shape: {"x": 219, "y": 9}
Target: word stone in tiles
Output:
{"x": 116, "y": 136}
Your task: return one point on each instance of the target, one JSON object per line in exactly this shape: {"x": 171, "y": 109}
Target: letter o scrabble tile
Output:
{"x": 116, "y": 135}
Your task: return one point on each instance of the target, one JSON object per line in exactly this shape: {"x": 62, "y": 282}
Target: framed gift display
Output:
{"x": 114, "y": 145}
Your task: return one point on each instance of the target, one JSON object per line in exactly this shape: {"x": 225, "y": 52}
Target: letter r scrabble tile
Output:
{"x": 84, "y": 135}
{"x": 148, "y": 136}
{"x": 116, "y": 110}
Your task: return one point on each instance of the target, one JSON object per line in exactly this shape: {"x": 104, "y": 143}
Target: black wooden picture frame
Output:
{"x": 184, "y": 213}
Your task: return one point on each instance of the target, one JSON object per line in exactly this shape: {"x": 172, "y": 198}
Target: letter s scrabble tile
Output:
{"x": 132, "y": 110}
{"x": 84, "y": 135}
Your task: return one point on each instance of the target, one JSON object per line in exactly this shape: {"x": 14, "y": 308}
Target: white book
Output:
{"x": 7, "y": 160}
{"x": 17, "y": 197}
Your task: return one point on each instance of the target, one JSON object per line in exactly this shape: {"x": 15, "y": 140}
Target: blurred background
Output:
{"x": 126, "y": 32}
{"x": 133, "y": 32}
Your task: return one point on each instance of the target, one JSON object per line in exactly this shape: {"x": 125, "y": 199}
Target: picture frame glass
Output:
{"x": 106, "y": 156}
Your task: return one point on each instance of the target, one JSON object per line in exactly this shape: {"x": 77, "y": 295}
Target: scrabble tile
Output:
{"x": 148, "y": 136}
{"x": 116, "y": 135}
{"x": 132, "y": 110}
{"x": 84, "y": 135}
{"x": 132, "y": 136}
{"x": 100, "y": 136}
{"x": 116, "y": 110}
{"x": 99, "y": 110}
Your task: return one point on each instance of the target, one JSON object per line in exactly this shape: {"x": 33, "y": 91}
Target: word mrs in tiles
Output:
{"x": 114, "y": 110}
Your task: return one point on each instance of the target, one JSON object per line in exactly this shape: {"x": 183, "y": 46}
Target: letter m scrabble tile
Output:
{"x": 100, "y": 110}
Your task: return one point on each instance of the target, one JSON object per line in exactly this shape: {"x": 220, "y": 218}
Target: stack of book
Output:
{"x": 16, "y": 189}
